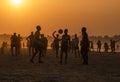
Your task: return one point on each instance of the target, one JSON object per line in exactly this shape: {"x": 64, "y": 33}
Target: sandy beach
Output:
{"x": 101, "y": 68}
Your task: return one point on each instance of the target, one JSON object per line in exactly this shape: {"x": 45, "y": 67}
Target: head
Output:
{"x": 38, "y": 28}
{"x": 84, "y": 29}
{"x": 66, "y": 31}
{"x": 31, "y": 33}
{"x": 14, "y": 34}
{"x": 75, "y": 35}
{"x": 18, "y": 34}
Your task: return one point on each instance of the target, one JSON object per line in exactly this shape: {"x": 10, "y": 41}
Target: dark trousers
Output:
{"x": 12, "y": 50}
{"x": 57, "y": 50}
{"x": 37, "y": 51}
{"x": 64, "y": 50}
{"x": 84, "y": 53}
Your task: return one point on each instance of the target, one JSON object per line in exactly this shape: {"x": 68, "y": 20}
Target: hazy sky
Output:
{"x": 101, "y": 17}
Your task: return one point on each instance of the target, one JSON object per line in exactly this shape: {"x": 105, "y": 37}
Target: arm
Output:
{"x": 53, "y": 34}
{"x": 69, "y": 41}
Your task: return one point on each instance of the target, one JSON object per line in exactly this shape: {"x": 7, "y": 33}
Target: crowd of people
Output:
{"x": 111, "y": 46}
{"x": 37, "y": 43}
{"x": 16, "y": 44}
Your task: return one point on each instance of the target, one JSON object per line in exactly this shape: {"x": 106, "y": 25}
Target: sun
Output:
{"x": 17, "y": 1}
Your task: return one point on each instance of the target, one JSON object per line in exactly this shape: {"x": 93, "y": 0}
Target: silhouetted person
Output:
{"x": 76, "y": 45}
{"x": 14, "y": 43}
{"x": 106, "y": 47}
{"x": 56, "y": 42}
{"x": 45, "y": 43}
{"x": 19, "y": 39}
{"x": 37, "y": 45}
{"x": 30, "y": 43}
{"x": 114, "y": 45}
{"x": 91, "y": 46}
{"x": 114, "y": 42}
{"x": 99, "y": 44}
{"x": 111, "y": 46}
{"x": 72, "y": 45}
{"x": 3, "y": 47}
{"x": 64, "y": 46}
{"x": 84, "y": 46}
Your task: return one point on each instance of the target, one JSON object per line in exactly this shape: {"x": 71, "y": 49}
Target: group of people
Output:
{"x": 4, "y": 45}
{"x": 15, "y": 44}
{"x": 37, "y": 43}
{"x": 112, "y": 46}
{"x": 66, "y": 45}
{"x": 106, "y": 46}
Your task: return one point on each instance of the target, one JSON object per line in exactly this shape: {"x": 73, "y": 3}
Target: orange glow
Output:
{"x": 17, "y": 1}
{"x": 97, "y": 15}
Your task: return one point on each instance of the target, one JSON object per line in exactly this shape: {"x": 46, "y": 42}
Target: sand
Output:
{"x": 101, "y": 68}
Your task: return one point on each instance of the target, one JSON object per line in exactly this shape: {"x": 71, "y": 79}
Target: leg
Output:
{"x": 86, "y": 57}
{"x": 61, "y": 56}
{"x": 29, "y": 48}
{"x": 75, "y": 53}
{"x": 57, "y": 52}
{"x": 66, "y": 55}
{"x": 32, "y": 50}
{"x": 45, "y": 51}
{"x": 12, "y": 50}
{"x": 16, "y": 50}
{"x": 78, "y": 52}
{"x": 83, "y": 56}
{"x": 36, "y": 51}
{"x": 40, "y": 55}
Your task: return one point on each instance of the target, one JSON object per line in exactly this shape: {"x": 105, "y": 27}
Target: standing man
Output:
{"x": 19, "y": 39}
{"x": 99, "y": 44}
{"x": 76, "y": 45}
{"x": 44, "y": 43}
{"x": 37, "y": 45}
{"x": 14, "y": 44}
{"x": 113, "y": 45}
{"x": 106, "y": 47}
{"x": 30, "y": 40}
{"x": 91, "y": 46}
{"x": 84, "y": 46}
{"x": 56, "y": 42}
{"x": 64, "y": 46}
